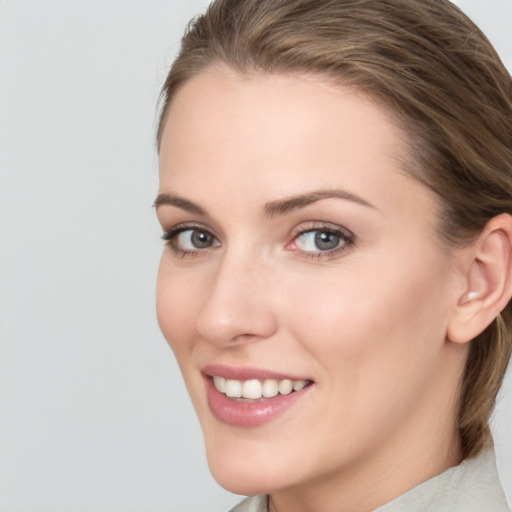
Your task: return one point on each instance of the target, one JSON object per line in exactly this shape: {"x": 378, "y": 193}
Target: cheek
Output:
{"x": 373, "y": 313}
{"x": 376, "y": 340}
{"x": 176, "y": 302}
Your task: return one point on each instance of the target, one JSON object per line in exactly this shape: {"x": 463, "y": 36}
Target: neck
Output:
{"x": 367, "y": 485}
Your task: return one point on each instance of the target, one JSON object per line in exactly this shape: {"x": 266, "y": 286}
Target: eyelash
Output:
{"x": 346, "y": 240}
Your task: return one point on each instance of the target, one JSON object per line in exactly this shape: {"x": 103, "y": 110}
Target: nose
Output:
{"x": 238, "y": 308}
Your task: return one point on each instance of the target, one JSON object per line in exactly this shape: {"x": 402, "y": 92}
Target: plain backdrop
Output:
{"x": 93, "y": 414}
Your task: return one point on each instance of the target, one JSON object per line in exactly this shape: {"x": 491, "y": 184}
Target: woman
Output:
{"x": 336, "y": 196}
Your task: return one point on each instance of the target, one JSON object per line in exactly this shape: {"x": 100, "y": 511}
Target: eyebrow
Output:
{"x": 284, "y": 206}
{"x": 272, "y": 208}
{"x": 179, "y": 202}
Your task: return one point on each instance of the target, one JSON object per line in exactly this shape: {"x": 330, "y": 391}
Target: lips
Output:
{"x": 251, "y": 397}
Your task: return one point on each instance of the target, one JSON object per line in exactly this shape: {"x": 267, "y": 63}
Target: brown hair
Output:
{"x": 441, "y": 78}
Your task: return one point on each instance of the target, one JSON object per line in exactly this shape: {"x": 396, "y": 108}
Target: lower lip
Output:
{"x": 249, "y": 414}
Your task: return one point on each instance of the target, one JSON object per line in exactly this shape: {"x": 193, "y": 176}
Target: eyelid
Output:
{"x": 305, "y": 227}
{"x": 184, "y": 226}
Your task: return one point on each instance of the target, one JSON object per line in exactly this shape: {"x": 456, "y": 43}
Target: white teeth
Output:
{"x": 299, "y": 384}
{"x": 220, "y": 383}
{"x": 285, "y": 387}
{"x": 233, "y": 388}
{"x": 255, "y": 389}
{"x": 252, "y": 389}
{"x": 270, "y": 388}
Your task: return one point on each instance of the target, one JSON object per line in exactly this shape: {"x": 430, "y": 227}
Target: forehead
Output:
{"x": 280, "y": 134}
{"x": 223, "y": 97}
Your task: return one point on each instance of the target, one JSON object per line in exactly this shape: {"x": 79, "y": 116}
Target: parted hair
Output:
{"x": 445, "y": 85}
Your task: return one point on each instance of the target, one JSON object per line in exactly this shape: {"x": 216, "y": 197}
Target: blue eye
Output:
{"x": 190, "y": 240}
{"x": 323, "y": 241}
{"x": 318, "y": 241}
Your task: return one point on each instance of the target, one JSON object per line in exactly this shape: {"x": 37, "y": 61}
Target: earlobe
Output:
{"x": 488, "y": 278}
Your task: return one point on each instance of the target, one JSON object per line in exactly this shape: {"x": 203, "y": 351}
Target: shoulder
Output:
{"x": 473, "y": 486}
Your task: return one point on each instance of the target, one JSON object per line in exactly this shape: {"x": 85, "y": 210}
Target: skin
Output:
{"x": 367, "y": 324}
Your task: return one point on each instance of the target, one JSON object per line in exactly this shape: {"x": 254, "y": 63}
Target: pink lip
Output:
{"x": 229, "y": 372}
{"x": 248, "y": 413}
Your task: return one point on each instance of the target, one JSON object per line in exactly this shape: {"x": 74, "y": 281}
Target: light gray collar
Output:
{"x": 473, "y": 486}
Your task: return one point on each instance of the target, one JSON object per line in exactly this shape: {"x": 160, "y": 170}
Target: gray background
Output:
{"x": 93, "y": 413}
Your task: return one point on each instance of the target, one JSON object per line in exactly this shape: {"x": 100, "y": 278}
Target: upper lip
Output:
{"x": 246, "y": 373}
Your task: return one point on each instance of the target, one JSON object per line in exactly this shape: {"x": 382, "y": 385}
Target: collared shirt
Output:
{"x": 473, "y": 486}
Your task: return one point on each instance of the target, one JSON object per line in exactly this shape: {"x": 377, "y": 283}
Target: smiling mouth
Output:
{"x": 252, "y": 397}
{"x": 255, "y": 389}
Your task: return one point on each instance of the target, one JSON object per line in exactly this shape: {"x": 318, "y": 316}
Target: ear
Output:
{"x": 488, "y": 281}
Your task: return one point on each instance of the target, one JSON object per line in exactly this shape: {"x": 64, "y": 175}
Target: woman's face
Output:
{"x": 298, "y": 250}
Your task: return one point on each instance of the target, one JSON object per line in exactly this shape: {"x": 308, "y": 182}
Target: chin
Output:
{"x": 239, "y": 474}
{"x": 245, "y": 484}
{"x": 249, "y": 482}
{"x": 251, "y": 464}
{"x": 248, "y": 470}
